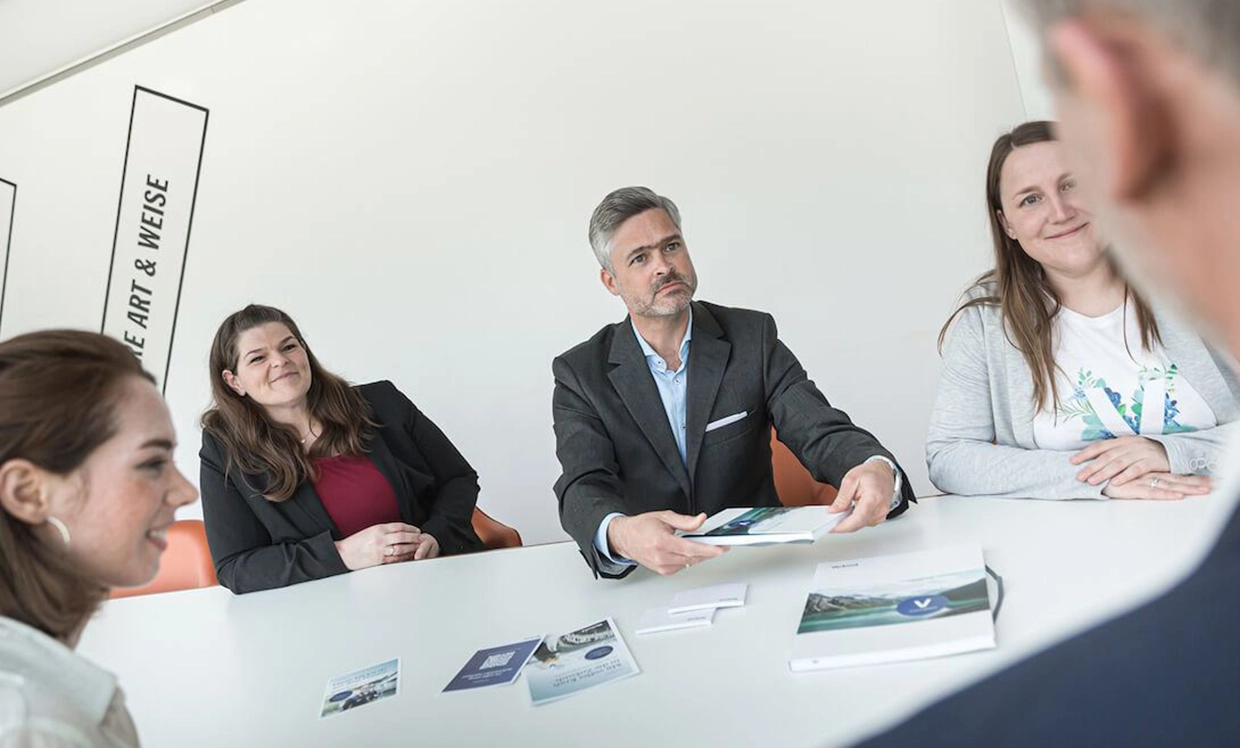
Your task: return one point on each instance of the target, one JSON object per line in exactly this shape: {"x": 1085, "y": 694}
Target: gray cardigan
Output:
{"x": 981, "y": 429}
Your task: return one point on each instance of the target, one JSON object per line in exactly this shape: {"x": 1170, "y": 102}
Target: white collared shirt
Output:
{"x": 50, "y": 697}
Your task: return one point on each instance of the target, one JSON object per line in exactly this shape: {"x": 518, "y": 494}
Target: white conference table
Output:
{"x": 204, "y": 667}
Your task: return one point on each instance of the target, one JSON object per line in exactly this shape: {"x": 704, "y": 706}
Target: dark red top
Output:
{"x": 354, "y": 493}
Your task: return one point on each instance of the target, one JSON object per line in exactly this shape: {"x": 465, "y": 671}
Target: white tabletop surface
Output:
{"x": 208, "y": 668}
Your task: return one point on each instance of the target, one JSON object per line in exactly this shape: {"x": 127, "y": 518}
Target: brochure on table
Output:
{"x": 570, "y": 663}
{"x": 494, "y": 666}
{"x": 892, "y": 608}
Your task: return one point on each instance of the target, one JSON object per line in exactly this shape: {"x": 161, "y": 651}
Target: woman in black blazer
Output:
{"x": 305, "y": 476}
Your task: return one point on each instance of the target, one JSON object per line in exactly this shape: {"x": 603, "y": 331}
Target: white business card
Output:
{"x": 709, "y": 598}
{"x": 657, "y": 620}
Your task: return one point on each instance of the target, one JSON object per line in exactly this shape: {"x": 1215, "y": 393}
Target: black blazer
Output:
{"x": 616, "y": 448}
{"x": 1165, "y": 674}
{"x": 259, "y": 544}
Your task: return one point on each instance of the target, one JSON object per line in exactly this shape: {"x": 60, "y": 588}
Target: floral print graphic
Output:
{"x": 1130, "y": 409}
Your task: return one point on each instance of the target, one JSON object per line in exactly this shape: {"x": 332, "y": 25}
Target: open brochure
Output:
{"x": 892, "y": 608}
{"x": 579, "y": 660}
{"x": 766, "y": 525}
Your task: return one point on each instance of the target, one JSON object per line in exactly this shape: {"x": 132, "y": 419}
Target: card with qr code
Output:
{"x": 494, "y": 666}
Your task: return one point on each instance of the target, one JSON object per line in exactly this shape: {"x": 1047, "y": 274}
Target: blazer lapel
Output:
{"x": 708, "y": 356}
{"x": 382, "y": 458}
{"x": 306, "y": 499}
{"x": 633, "y": 382}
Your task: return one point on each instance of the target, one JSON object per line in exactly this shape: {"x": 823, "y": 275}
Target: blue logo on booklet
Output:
{"x": 598, "y": 653}
{"x": 925, "y": 605}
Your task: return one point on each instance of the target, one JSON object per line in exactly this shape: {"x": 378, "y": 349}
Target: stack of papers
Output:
{"x": 692, "y": 608}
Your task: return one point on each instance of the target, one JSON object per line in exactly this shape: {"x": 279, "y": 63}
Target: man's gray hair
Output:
{"x": 1209, "y": 29}
{"x": 618, "y": 207}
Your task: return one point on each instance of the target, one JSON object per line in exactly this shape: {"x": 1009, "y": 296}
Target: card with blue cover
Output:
{"x": 494, "y": 666}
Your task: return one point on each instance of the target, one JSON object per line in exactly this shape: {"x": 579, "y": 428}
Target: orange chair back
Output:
{"x": 186, "y": 564}
{"x": 494, "y": 534}
{"x": 793, "y": 483}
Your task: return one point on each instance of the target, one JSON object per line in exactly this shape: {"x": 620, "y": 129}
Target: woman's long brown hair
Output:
{"x": 257, "y": 445}
{"x": 59, "y": 390}
{"x": 1018, "y": 286}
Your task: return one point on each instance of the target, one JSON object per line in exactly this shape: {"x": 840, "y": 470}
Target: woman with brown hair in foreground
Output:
{"x": 88, "y": 490}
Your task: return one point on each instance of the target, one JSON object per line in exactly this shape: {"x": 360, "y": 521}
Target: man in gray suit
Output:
{"x": 664, "y": 418}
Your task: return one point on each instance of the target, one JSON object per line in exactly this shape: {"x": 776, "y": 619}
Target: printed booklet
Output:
{"x": 893, "y": 608}
{"x": 766, "y": 525}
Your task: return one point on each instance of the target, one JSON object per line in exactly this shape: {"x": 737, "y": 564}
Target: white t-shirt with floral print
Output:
{"x": 1105, "y": 378}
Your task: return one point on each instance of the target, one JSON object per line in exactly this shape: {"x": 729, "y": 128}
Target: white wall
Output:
{"x": 40, "y": 37}
{"x": 412, "y": 181}
{"x": 1027, "y": 57}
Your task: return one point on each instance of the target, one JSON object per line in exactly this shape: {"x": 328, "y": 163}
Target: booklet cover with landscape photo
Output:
{"x": 891, "y": 608}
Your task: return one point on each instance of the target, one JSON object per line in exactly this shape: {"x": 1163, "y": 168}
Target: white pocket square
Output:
{"x": 726, "y": 420}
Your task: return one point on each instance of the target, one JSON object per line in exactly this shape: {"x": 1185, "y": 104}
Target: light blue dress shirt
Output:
{"x": 673, "y": 388}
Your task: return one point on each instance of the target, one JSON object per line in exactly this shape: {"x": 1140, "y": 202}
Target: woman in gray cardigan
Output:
{"x": 1051, "y": 360}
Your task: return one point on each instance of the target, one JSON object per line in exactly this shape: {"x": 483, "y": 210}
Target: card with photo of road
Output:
{"x": 361, "y": 687}
{"x": 570, "y": 663}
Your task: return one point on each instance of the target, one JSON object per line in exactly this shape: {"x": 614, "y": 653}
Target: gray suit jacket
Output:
{"x": 616, "y": 448}
{"x": 981, "y": 429}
